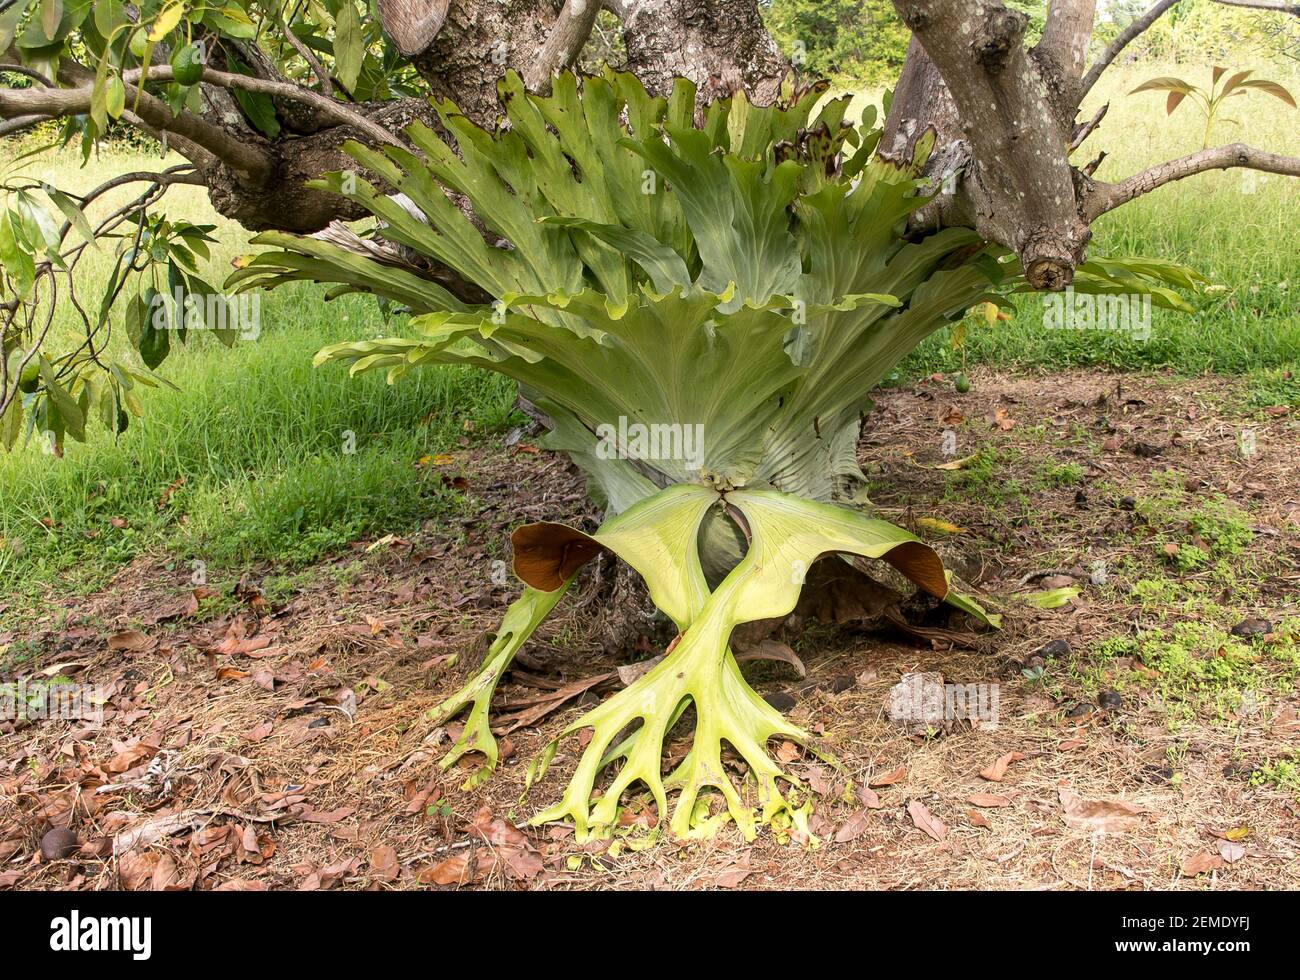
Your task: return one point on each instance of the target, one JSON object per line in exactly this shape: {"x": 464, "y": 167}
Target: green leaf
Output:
{"x": 349, "y": 45}
{"x": 108, "y": 16}
{"x": 16, "y": 256}
{"x": 1050, "y": 599}
{"x": 664, "y": 266}
{"x": 659, "y": 537}
{"x": 137, "y": 311}
{"x": 9, "y": 24}
{"x": 11, "y": 424}
{"x": 178, "y": 290}
{"x": 69, "y": 412}
{"x": 115, "y": 98}
{"x": 155, "y": 337}
{"x": 213, "y": 310}
{"x": 258, "y": 107}
{"x": 72, "y": 212}
{"x": 232, "y": 21}
{"x": 51, "y": 15}
{"x": 99, "y": 96}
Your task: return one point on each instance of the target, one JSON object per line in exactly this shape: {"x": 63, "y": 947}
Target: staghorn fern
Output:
{"x": 747, "y": 271}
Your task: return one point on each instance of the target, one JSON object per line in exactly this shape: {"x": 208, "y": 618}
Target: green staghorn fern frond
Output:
{"x": 747, "y": 274}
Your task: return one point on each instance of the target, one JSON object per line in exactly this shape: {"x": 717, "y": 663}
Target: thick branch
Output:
{"x": 1021, "y": 192}
{"x": 569, "y": 33}
{"x": 250, "y": 162}
{"x": 1106, "y": 197}
{"x": 1067, "y": 33}
{"x": 721, "y": 45}
{"x": 19, "y": 123}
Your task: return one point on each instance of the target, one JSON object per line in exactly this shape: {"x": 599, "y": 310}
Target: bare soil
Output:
{"x": 271, "y": 732}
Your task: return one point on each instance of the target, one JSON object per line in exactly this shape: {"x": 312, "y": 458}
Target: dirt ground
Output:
{"x": 270, "y": 732}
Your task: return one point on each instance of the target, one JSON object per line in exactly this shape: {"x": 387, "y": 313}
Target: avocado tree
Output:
{"x": 699, "y": 239}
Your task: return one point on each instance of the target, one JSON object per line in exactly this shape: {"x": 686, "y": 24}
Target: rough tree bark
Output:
{"x": 1005, "y": 120}
{"x": 721, "y": 45}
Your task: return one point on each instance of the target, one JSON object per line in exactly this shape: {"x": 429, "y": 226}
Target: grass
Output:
{"x": 247, "y": 459}
{"x": 261, "y": 457}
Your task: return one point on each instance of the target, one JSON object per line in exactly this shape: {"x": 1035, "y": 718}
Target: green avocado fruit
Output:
{"x": 187, "y": 65}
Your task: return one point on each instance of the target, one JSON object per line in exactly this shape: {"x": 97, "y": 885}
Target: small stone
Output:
{"x": 782, "y": 701}
{"x": 58, "y": 843}
{"x": 1127, "y": 503}
{"x": 1158, "y": 774}
{"x": 1250, "y": 628}
{"x": 838, "y": 684}
{"x": 917, "y": 701}
{"x": 1110, "y": 700}
{"x": 1053, "y": 649}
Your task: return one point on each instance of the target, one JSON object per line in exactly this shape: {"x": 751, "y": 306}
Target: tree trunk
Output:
{"x": 721, "y": 45}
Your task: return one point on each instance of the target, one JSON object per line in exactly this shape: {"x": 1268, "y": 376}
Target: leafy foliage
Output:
{"x": 841, "y": 39}
{"x": 1211, "y": 99}
{"x": 45, "y": 231}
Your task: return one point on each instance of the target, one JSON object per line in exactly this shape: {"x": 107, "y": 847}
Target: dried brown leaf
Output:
{"x": 888, "y": 778}
{"x": 926, "y": 821}
{"x": 1109, "y": 816}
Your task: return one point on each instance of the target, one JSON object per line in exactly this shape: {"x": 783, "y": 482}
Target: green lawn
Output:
{"x": 253, "y": 441}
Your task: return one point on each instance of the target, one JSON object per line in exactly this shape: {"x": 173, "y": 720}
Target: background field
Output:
{"x": 246, "y": 461}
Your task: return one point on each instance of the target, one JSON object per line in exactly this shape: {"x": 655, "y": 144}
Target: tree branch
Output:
{"x": 249, "y": 161}
{"x": 568, "y": 34}
{"x": 1276, "y": 6}
{"x": 1107, "y": 197}
{"x": 19, "y": 123}
{"x": 1021, "y": 192}
{"x": 1125, "y": 38}
{"x": 335, "y": 110}
{"x": 1067, "y": 33}
{"x": 326, "y": 83}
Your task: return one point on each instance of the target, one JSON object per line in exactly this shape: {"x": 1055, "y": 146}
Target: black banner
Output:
{"x": 140, "y": 932}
